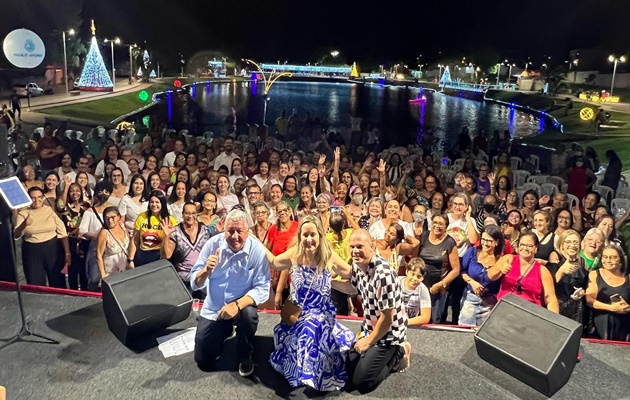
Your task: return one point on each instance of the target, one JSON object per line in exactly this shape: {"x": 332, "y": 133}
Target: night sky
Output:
{"x": 304, "y": 31}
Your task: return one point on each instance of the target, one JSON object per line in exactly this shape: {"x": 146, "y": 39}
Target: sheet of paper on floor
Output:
{"x": 177, "y": 343}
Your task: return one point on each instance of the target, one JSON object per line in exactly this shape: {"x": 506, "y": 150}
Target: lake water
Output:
{"x": 399, "y": 120}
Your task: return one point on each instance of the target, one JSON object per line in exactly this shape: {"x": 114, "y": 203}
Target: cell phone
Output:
{"x": 335, "y": 209}
{"x": 445, "y": 161}
{"x": 616, "y": 298}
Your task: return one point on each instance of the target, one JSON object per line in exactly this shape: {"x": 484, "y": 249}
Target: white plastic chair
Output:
{"x": 520, "y": 177}
{"x": 548, "y": 189}
{"x": 538, "y": 179}
{"x": 494, "y": 160}
{"x": 556, "y": 180}
{"x": 618, "y": 204}
{"x": 279, "y": 145}
{"x": 536, "y": 160}
{"x": 564, "y": 187}
{"x": 606, "y": 192}
{"x": 253, "y": 130}
{"x": 243, "y": 138}
{"x": 573, "y": 201}
{"x": 459, "y": 164}
{"x": 531, "y": 186}
{"x": 519, "y": 194}
{"x": 516, "y": 162}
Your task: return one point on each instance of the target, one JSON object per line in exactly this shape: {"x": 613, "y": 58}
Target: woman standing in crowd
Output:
{"x": 510, "y": 203}
{"x": 608, "y": 293}
{"x": 280, "y": 237}
{"x": 512, "y": 227}
{"x": 579, "y": 178}
{"x": 52, "y": 190}
{"x": 237, "y": 171}
{"x": 262, "y": 177}
{"x": 307, "y": 203}
{"x": 84, "y": 181}
{"x": 177, "y": 199}
{"x": 71, "y": 214}
{"x": 374, "y": 190}
{"x": 208, "y": 216}
{"x": 225, "y": 199}
{"x": 438, "y": 205}
{"x": 396, "y": 246}
{"x": 150, "y": 166}
{"x": 133, "y": 203}
{"x": 251, "y": 166}
{"x": 191, "y": 167}
{"x": 356, "y": 208}
{"x": 165, "y": 178}
{"x": 134, "y": 168}
{"x": 501, "y": 168}
{"x": 439, "y": 252}
{"x": 119, "y": 189}
{"x": 530, "y": 205}
{"x": 606, "y": 224}
{"x": 311, "y": 350}
{"x": 66, "y": 167}
{"x": 146, "y": 243}
{"x": 91, "y": 224}
{"x": 111, "y": 157}
{"x": 338, "y": 237}
{"x": 111, "y": 244}
{"x": 524, "y": 276}
{"x": 27, "y": 177}
{"x": 153, "y": 182}
{"x": 570, "y": 274}
{"x": 262, "y": 224}
{"x": 481, "y": 295}
{"x": 564, "y": 222}
{"x": 419, "y": 216}
{"x": 44, "y": 242}
{"x": 592, "y": 246}
{"x": 289, "y": 192}
{"x": 375, "y": 213}
{"x": 612, "y": 176}
{"x": 542, "y": 229}
{"x": 501, "y": 189}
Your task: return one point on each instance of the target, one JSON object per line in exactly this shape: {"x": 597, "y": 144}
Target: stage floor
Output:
{"x": 91, "y": 364}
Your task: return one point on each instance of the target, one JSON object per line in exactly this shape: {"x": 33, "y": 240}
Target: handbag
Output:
{"x": 290, "y": 311}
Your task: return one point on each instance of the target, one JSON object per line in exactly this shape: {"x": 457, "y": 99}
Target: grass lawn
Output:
{"x": 107, "y": 109}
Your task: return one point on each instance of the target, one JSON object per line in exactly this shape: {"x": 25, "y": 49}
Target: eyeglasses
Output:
{"x": 261, "y": 212}
{"x": 439, "y": 224}
{"x": 251, "y": 193}
{"x": 612, "y": 258}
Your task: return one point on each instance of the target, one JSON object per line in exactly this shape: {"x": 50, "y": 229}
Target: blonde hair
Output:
{"x": 324, "y": 254}
{"x": 563, "y": 236}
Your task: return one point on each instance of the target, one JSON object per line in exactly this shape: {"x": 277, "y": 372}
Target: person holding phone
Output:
{"x": 608, "y": 294}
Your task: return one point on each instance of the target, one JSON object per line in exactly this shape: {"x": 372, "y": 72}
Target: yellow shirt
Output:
{"x": 151, "y": 234}
{"x": 341, "y": 247}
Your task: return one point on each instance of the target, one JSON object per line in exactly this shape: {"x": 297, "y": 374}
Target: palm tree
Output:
{"x": 555, "y": 77}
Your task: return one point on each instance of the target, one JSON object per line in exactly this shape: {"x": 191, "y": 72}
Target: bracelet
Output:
{"x": 68, "y": 254}
{"x": 129, "y": 260}
{"x": 237, "y": 305}
{"x": 444, "y": 284}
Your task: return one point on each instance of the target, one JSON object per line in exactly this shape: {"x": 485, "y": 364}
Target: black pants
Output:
{"x": 366, "y": 371}
{"x": 43, "y": 263}
{"x": 77, "y": 274}
{"x": 211, "y": 335}
{"x": 340, "y": 300}
{"x": 455, "y": 293}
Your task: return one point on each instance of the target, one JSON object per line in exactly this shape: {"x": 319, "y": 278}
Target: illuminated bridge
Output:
{"x": 307, "y": 69}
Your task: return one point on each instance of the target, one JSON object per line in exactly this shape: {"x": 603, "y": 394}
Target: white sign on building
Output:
{"x": 23, "y": 48}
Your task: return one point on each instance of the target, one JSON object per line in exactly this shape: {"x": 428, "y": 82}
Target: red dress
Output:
{"x": 531, "y": 284}
{"x": 577, "y": 182}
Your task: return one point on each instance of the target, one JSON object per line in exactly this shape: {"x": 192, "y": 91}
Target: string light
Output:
{"x": 94, "y": 76}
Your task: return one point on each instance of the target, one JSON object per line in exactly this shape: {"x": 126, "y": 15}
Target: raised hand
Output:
{"x": 213, "y": 261}
{"x": 67, "y": 180}
{"x": 291, "y": 169}
{"x": 368, "y": 161}
{"x": 382, "y": 165}
{"x": 167, "y": 227}
{"x": 322, "y": 159}
{"x": 337, "y": 154}
{"x": 544, "y": 200}
{"x": 491, "y": 178}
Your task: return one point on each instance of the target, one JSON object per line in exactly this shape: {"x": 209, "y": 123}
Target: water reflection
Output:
{"x": 389, "y": 107}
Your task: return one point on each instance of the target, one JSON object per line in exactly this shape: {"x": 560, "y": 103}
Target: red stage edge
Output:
{"x": 68, "y": 292}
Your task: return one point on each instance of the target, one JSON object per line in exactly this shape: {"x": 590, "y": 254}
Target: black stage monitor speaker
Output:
{"x": 531, "y": 343}
{"x": 144, "y": 301}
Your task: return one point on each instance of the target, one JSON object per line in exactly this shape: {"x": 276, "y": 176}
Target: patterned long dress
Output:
{"x": 311, "y": 351}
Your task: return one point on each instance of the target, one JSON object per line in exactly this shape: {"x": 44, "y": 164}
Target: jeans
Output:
{"x": 438, "y": 305}
{"x": 476, "y": 309}
{"x": 211, "y": 335}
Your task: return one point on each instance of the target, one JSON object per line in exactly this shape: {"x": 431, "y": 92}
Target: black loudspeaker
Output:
{"x": 144, "y": 300}
{"x": 531, "y": 343}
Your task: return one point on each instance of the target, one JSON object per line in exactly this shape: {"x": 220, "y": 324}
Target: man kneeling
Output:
{"x": 234, "y": 270}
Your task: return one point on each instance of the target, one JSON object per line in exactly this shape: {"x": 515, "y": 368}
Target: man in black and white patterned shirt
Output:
{"x": 379, "y": 348}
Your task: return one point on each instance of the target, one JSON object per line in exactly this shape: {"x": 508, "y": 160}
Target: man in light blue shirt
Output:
{"x": 234, "y": 270}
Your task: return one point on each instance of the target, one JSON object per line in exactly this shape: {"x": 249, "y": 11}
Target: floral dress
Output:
{"x": 311, "y": 352}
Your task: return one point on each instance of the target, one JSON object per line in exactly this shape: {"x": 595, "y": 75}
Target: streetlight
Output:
{"x": 111, "y": 42}
{"x": 498, "y": 72}
{"x": 65, "y": 57}
{"x": 615, "y": 60}
{"x": 510, "y": 73}
{"x": 440, "y": 66}
{"x": 131, "y": 47}
{"x": 334, "y": 53}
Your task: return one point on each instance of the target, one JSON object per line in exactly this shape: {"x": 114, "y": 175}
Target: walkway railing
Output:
{"x": 474, "y": 87}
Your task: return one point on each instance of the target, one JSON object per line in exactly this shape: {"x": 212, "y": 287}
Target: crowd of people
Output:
{"x": 398, "y": 237}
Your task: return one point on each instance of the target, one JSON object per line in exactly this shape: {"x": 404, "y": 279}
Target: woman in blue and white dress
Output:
{"x": 311, "y": 352}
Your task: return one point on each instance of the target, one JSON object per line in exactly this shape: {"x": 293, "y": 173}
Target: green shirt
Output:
{"x": 292, "y": 201}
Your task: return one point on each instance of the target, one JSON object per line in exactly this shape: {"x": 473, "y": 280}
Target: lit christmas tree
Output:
{"x": 94, "y": 76}
{"x": 446, "y": 76}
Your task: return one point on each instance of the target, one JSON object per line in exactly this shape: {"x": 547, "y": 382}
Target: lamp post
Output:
{"x": 111, "y": 42}
{"x": 65, "y": 57}
{"x": 498, "y": 72}
{"x": 510, "y": 73}
{"x": 131, "y": 46}
{"x": 440, "y": 66}
{"x": 615, "y": 60}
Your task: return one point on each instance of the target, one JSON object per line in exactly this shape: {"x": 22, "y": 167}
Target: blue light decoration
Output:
{"x": 254, "y": 87}
{"x": 193, "y": 90}
{"x": 169, "y": 105}
{"x": 512, "y": 117}
{"x": 94, "y": 76}
{"x": 311, "y": 69}
{"x": 207, "y": 87}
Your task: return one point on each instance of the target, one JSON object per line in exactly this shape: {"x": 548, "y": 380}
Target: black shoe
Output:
{"x": 246, "y": 368}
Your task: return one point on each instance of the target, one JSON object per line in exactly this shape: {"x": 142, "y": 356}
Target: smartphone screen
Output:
{"x": 615, "y": 298}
